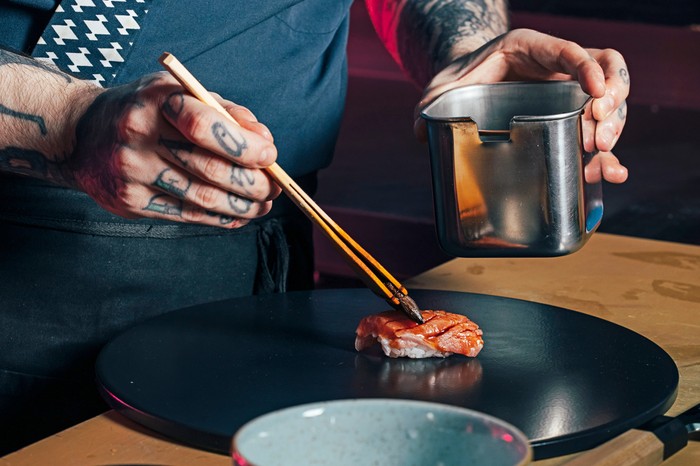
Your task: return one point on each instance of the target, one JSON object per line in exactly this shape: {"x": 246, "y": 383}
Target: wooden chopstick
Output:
{"x": 372, "y": 273}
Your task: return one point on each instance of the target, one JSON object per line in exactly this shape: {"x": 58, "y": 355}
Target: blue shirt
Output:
{"x": 283, "y": 59}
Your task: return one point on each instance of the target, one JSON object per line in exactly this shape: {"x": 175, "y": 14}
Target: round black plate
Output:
{"x": 569, "y": 381}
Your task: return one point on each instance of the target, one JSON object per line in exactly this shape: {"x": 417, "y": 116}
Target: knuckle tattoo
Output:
{"x": 622, "y": 111}
{"x": 624, "y": 75}
{"x": 173, "y": 183}
{"x": 165, "y": 205}
{"x": 179, "y": 150}
{"x": 243, "y": 178}
{"x": 232, "y": 145}
{"x": 174, "y": 105}
{"x": 239, "y": 205}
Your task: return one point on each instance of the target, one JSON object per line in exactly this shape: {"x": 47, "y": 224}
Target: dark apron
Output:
{"x": 72, "y": 276}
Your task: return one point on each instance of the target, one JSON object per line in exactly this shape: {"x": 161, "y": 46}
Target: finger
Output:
{"x": 613, "y": 170}
{"x": 212, "y": 131}
{"x": 181, "y": 185}
{"x": 246, "y": 119}
{"x": 164, "y": 207}
{"x": 608, "y": 131}
{"x": 617, "y": 82}
{"x": 589, "y": 127}
{"x": 247, "y": 182}
{"x": 605, "y": 165}
{"x": 563, "y": 56}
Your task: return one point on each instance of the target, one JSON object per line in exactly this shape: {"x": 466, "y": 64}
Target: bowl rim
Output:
{"x": 517, "y": 433}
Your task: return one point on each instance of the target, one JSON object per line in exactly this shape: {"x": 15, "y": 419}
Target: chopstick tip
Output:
{"x": 410, "y": 308}
{"x": 405, "y": 303}
{"x": 165, "y": 58}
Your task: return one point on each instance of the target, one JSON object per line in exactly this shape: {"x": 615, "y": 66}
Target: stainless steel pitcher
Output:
{"x": 508, "y": 170}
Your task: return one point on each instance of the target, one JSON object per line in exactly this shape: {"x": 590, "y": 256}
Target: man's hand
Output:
{"x": 149, "y": 149}
{"x": 522, "y": 55}
{"x": 145, "y": 149}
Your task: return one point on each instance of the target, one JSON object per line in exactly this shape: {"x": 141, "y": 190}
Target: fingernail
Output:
{"x": 265, "y": 157}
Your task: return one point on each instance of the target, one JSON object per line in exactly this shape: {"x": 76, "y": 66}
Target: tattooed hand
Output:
{"x": 522, "y": 55}
{"x": 147, "y": 149}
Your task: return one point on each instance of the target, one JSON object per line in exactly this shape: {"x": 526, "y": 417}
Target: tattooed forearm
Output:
{"x": 425, "y": 35}
{"x": 9, "y": 58}
{"x": 172, "y": 183}
{"x": 177, "y": 148}
{"x": 429, "y": 30}
{"x": 25, "y": 116}
{"x": 164, "y": 204}
{"x": 233, "y": 147}
{"x": 37, "y": 117}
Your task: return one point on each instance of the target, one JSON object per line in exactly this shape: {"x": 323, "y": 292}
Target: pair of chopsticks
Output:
{"x": 370, "y": 271}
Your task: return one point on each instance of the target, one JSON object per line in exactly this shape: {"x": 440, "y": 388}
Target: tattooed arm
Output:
{"x": 38, "y": 106}
{"x": 145, "y": 149}
{"x": 424, "y": 36}
{"x": 442, "y": 44}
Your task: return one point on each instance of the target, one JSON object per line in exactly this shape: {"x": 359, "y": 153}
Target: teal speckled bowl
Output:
{"x": 366, "y": 432}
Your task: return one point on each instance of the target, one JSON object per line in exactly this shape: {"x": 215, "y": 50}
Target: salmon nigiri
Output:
{"x": 442, "y": 334}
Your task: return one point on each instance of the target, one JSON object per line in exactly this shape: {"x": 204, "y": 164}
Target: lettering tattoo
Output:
{"x": 239, "y": 205}
{"x": 39, "y": 121}
{"x": 223, "y": 219}
{"x": 428, "y": 30}
{"x": 232, "y": 146}
{"x": 170, "y": 182}
{"x": 164, "y": 204}
{"x": 242, "y": 177}
{"x": 622, "y": 111}
{"x": 176, "y": 148}
{"x": 174, "y": 104}
{"x": 10, "y": 58}
{"x": 624, "y": 75}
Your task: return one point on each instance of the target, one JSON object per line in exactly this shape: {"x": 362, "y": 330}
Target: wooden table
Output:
{"x": 651, "y": 287}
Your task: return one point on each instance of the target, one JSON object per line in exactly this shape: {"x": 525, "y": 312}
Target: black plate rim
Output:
{"x": 542, "y": 448}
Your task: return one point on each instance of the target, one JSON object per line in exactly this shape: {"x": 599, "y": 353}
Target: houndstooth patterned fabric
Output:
{"x": 91, "y": 38}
